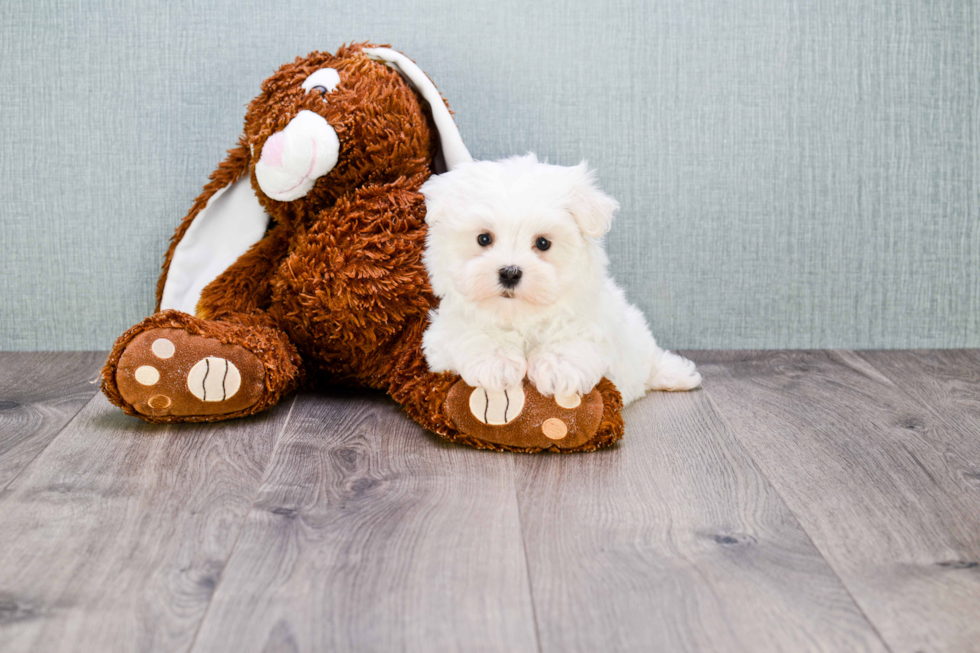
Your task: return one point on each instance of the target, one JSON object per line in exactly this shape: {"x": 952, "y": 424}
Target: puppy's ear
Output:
{"x": 592, "y": 209}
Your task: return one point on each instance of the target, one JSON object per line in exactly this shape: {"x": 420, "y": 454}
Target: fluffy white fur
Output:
{"x": 566, "y": 324}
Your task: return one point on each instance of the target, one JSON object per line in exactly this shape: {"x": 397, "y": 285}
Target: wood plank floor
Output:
{"x": 801, "y": 501}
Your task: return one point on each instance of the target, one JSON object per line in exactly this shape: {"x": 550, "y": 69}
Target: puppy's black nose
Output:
{"x": 509, "y": 276}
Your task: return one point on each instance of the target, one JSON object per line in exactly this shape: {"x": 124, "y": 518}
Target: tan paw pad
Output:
{"x": 554, "y": 429}
{"x": 568, "y": 401}
{"x": 214, "y": 379}
{"x": 497, "y": 407}
{"x": 163, "y": 348}
{"x": 147, "y": 375}
{"x": 159, "y": 402}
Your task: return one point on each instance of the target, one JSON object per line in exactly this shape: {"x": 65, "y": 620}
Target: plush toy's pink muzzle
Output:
{"x": 272, "y": 150}
{"x": 294, "y": 158}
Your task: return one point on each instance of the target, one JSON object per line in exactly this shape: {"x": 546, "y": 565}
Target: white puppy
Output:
{"x": 513, "y": 253}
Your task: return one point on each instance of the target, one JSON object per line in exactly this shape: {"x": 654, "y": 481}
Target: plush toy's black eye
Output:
{"x": 542, "y": 243}
{"x": 321, "y": 90}
{"x": 483, "y": 240}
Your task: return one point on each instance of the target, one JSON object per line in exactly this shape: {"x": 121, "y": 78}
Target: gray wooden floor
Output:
{"x": 802, "y": 501}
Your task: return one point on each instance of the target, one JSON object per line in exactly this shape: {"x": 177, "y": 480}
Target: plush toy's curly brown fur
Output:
{"x": 336, "y": 291}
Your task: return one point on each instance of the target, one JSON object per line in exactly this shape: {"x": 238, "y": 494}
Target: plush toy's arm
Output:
{"x": 246, "y": 287}
{"x": 359, "y": 266}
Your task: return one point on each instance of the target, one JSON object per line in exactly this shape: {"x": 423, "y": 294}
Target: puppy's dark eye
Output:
{"x": 542, "y": 243}
{"x": 483, "y": 240}
{"x": 321, "y": 90}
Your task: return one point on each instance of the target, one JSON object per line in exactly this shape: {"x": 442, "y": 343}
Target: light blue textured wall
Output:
{"x": 793, "y": 173}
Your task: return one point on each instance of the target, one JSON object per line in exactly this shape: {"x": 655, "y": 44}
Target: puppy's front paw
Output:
{"x": 674, "y": 373}
{"x": 497, "y": 371}
{"x": 562, "y": 376}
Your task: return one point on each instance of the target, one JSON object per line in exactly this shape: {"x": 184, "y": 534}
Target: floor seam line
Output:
{"x": 238, "y": 537}
{"x": 799, "y": 522}
{"x": 901, "y": 388}
{"x": 45, "y": 447}
{"x": 527, "y": 562}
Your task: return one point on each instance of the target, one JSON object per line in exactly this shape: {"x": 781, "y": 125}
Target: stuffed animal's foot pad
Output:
{"x": 522, "y": 418}
{"x": 214, "y": 379}
{"x": 171, "y": 372}
{"x": 497, "y": 408}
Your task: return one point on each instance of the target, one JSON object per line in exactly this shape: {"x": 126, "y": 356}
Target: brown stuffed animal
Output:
{"x": 301, "y": 264}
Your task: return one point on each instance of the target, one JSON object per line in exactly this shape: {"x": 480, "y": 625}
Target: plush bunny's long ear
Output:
{"x": 225, "y": 221}
{"x": 453, "y": 151}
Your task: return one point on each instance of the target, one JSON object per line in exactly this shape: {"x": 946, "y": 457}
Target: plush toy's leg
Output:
{"x": 521, "y": 420}
{"x": 174, "y": 367}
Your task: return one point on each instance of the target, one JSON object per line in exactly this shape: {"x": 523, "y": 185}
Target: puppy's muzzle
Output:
{"x": 510, "y": 276}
